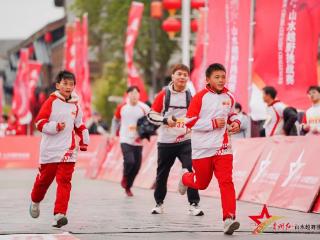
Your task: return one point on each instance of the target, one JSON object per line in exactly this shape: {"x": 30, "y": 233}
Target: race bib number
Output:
{"x": 180, "y": 123}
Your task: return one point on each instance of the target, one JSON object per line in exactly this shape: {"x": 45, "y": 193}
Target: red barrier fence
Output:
{"x": 23, "y": 151}
{"x": 278, "y": 171}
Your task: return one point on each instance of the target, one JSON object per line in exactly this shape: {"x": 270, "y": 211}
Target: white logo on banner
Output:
{"x": 262, "y": 167}
{"x": 294, "y": 169}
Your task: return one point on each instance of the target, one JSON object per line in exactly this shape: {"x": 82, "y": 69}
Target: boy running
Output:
{"x": 59, "y": 119}
{"x": 211, "y": 116}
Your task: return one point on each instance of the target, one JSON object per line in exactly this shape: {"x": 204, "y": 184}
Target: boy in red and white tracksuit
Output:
{"x": 59, "y": 119}
{"x": 311, "y": 119}
{"x": 211, "y": 118}
{"x": 274, "y": 123}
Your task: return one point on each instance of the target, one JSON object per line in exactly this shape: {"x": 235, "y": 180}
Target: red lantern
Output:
{"x": 194, "y": 25}
{"x": 197, "y": 4}
{"x": 171, "y": 25}
{"x": 156, "y": 9}
{"x": 171, "y": 6}
{"x": 48, "y": 37}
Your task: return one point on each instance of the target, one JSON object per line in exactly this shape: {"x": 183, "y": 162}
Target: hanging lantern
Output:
{"x": 194, "y": 25}
{"x": 171, "y": 25}
{"x": 48, "y": 37}
{"x": 197, "y": 4}
{"x": 171, "y": 6}
{"x": 156, "y": 9}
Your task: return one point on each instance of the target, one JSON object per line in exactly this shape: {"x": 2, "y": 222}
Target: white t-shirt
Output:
{"x": 128, "y": 116}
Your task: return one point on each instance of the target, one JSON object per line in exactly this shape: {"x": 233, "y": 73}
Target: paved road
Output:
{"x": 100, "y": 210}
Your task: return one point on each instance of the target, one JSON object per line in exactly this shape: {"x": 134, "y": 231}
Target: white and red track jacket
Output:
{"x": 60, "y": 146}
{"x": 312, "y": 118}
{"x": 274, "y": 122}
{"x": 177, "y": 108}
{"x": 205, "y": 107}
{"x": 128, "y": 116}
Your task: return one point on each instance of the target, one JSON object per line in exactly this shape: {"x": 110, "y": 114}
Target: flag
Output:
{"x": 228, "y": 26}
{"x": 198, "y": 72}
{"x": 86, "y": 87}
{"x": 134, "y": 21}
{"x": 20, "y": 101}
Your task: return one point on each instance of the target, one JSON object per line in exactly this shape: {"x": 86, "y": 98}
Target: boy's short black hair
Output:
{"x": 238, "y": 106}
{"x": 317, "y": 88}
{"x": 214, "y": 67}
{"x": 131, "y": 88}
{"x": 64, "y": 74}
{"x": 271, "y": 91}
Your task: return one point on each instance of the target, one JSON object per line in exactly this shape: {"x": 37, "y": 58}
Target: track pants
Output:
{"x": 167, "y": 154}
{"x": 221, "y": 166}
{"x": 132, "y": 156}
{"x": 63, "y": 174}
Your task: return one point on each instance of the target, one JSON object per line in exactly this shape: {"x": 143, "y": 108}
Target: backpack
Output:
{"x": 145, "y": 128}
{"x": 167, "y": 97}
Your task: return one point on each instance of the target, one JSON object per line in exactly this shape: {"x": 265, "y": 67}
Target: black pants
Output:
{"x": 132, "y": 156}
{"x": 167, "y": 153}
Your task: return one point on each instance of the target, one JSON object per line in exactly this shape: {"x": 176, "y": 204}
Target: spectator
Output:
{"x": 14, "y": 127}
{"x": 3, "y": 125}
{"x": 290, "y": 119}
{"x": 273, "y": 125}
{"x": 95, "y": 125}
{"x": 245, "y": 127}
{"x": 311, "y": 120}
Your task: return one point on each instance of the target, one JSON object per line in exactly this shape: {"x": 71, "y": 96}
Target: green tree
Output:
{"x": 107, "y": 28}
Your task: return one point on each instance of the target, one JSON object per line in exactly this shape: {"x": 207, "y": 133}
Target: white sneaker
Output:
{"x": 34, "y": 209}
{"x": 195, "y": 210}
{"x": 230, "y": 226}
{"x": 59, "y": 220}
{"x": 158, "y": 209}
{"x": 181, "y": 187}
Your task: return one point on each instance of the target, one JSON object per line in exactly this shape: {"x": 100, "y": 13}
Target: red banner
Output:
{"x": 285, "y": 47}
{"x": 268, "y": 169}
{"x": 228, "y": 25}
{"x": 134, "y": 21}
{"x": 14, "y": 154}
{"x": 1, "y": 97}
{"x": 21, "y": 97}
{"x": 76, "y": 61}
{"x": 86, "y": 87}
{"x": 34, "y": 75}
{"x": 69, "y": 50}
{"x": 198, "y": 72}
{"x": 299, "y": 181}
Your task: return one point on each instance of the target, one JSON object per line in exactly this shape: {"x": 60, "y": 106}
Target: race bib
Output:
{"x": 180, "y": 123}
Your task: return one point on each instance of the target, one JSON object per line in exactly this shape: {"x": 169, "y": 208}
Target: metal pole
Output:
{"x": 250, "y": 60}
{"x": 185, "y": 33}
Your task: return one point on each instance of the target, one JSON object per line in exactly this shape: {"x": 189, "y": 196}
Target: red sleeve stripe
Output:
{"x": 45, "y": 112}
{"x": 117, "y": 113}
{"x": 158, "y": 102}
{"x": 41, "y": 123}
{"x": 277, "y": 122}
{"x": 191, "y": 122}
